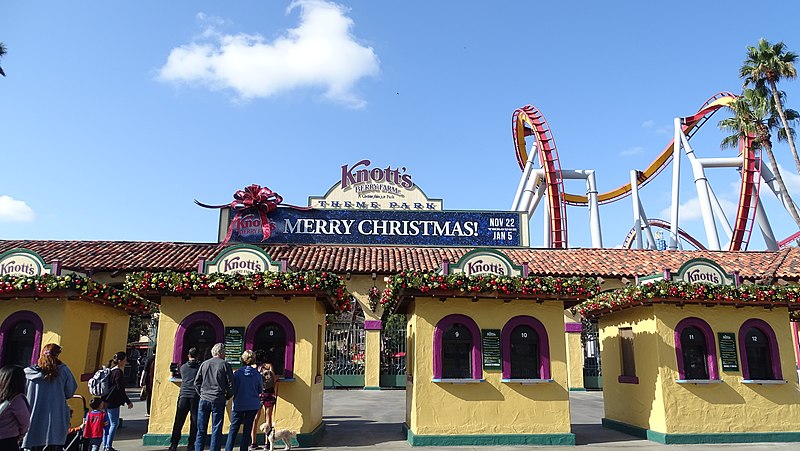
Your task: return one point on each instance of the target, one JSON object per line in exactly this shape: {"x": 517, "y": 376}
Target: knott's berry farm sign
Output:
{"x": 697, "y": 270}
{"x": 22, "y": 262}
{"x": 484, "y": 261}
{"x": 241, "y": 259}
{"x": 366, "y": 187}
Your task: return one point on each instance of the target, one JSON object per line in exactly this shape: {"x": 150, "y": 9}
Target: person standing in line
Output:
{"x": 50, "y": 385}
{"x": 247, "y": 389}
{"x": 214, "y": 384}
{"x": 188, "y": 400}
{"x": 115, "y": 398}
{"x": 147, "y": 379}
{"x": 95, "y": 423}
{"x": 15, "y": 413}
{"x": 268, "y": 396}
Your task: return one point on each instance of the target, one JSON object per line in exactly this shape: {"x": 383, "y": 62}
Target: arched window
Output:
{"x": 20, "y": 339}
{"x": 525, "y": 349}
{"x": 759, "y": 349}
{"x": 456, "y": 348}
{"x": 696, "y": 350}
{"x": 201, "y": 330}
{"x": 274, "y": 333}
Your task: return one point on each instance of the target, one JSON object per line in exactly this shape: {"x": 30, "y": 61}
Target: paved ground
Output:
{"x": 372, "y": 419}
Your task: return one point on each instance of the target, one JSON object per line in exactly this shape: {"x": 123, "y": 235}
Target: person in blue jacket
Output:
{"x": 247, "y": 388}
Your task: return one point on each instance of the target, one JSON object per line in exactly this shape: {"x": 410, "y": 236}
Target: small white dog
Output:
{"x": 274, "y": 434}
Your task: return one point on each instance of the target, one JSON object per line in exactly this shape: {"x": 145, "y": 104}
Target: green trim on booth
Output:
{"x": 577, "y": 389}
{"x": 372, "y": 388}
{"x": 688, "y": 439}
{"x": 307, "y": 439}
{"x": 344, "y": 380}
{"x": 566, "y": 439}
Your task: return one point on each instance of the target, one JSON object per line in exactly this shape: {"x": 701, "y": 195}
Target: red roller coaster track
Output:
{"x": 529, "y": 121}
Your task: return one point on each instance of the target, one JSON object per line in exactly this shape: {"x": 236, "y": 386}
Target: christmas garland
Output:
{"x": 186, "y": 283}
{"x": 575, "y": 287}
{"x": 82, "y": 287}
{"x": 693, "y": 292}
{"x": 374, "y": 297}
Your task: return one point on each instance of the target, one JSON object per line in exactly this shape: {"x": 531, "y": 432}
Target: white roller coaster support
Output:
{"x": 546, "y": 227}
{"x": 523, "y": 187}
{"x": 766, "y": 227}
{"x": 637, "y": 215}
{"x": 591, "y": 194}
{"x": 769, "y": 178}
{"x": 720, "y": 213}
{"x": 701, "y": 184}
{"x": 537, "y": 180}
{"x": 676, "y": 180}
{"x": 651, "y": 239}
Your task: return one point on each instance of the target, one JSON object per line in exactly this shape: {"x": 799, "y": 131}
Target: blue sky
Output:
{"x": 115, "y": 115}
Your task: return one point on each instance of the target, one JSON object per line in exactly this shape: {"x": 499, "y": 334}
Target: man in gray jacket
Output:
{"x": 214, "y": 383}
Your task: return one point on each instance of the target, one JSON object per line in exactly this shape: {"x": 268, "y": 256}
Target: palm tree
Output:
{"x": 768, "y": 64}
{"x": 2, "y": 52}
{"x": 753, "y": 119}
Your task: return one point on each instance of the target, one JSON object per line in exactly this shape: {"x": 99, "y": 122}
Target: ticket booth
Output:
{"x": 39, "y": 305}
{"x": 691, "y": 362}
{"x": 486, "y": 353}
{"x": 244, "y": 299}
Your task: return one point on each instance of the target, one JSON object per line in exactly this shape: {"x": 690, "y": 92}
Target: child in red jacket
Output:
{"x": 95, "y": 423}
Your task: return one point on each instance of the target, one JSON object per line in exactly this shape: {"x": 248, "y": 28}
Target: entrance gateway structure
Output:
{"x": 487, "y": 331}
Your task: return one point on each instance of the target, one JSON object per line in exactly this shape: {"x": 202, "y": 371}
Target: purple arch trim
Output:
{"x": 281, "y": 320}
{"x": 191, "y": 320}
{"x": 711, "y": 346}
{"x": 773, "y": 347}
{"x": 441, "y": 326}
{"x": 12, "y": 321}
{"x": 544, "y": 344}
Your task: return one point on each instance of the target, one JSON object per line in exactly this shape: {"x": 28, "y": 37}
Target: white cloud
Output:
{"x": 791, "y": 180}
{"x": 636, "y": 150}
{"x": 648, "y": 123}
{"x": 321, "y": 52}
{"x": 690, "y": 210}
{"x": 12, "y": 210}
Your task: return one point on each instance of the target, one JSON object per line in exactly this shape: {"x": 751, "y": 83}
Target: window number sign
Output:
{"x": 492, "y": 358}
{"x": 727, "y": 351}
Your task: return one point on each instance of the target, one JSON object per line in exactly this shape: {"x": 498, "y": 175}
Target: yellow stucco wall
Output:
{"x": 490, "y": 407}
{"x": 574, "y": 353}
{"x": 51, "y": 312}
{"x": 729, "y": 406}
{"x": 299, "y": 406}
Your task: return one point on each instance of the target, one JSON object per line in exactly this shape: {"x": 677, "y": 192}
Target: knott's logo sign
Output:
{"x": 241, "y": 259}
{"x": 698, "y": 270}
{"x": 485, "y": 261}
{"x": 22, "y": 262}
{"x": 701, "y": 270}
{"x": 365, "y": 187}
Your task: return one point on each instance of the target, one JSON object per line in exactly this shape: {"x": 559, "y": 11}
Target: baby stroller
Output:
{"x": 75, "y": 440}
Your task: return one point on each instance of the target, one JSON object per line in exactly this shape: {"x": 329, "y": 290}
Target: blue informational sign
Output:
{"x": 382, "y": 227}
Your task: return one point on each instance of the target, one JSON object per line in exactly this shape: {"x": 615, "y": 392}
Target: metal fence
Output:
{"x": 592, "y": 376}
{"x": 344, "y": 355}
{"x": 393, "y": 356}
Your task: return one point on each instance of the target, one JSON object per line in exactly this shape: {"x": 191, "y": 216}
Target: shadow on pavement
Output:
{"x": 339, "y": 433}
{"x": 588, "y": 434}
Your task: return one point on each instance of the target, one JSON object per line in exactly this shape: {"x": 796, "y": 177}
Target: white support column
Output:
{"x": 701, "y": 183}
{"x": 594, "y": 210}
{"x": 546, "y": 227}
{"x": 517, "y": 205}
{"x": 676, "y": 181}
{"x": 766, "y": 228}
{"x": 637, "y": 216}
{"x": 537, "y": 180}
{"x": 651, "y": 240}
{"x": 720, "y": 213}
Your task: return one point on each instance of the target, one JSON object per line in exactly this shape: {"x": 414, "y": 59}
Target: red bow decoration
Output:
{"x": 263, "y": 199}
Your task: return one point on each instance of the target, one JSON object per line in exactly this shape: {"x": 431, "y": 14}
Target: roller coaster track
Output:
{"x": 529, "y": 121}
{"x": 661, "y": 224}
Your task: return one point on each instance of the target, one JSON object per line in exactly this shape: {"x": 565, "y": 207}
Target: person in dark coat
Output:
{"x": 214, "y": 383}
{"x": 50, "y": 384}
{"x": 188, "y": 400}
{"x": 115, "y": 398}
{"x": 147, "y": 379}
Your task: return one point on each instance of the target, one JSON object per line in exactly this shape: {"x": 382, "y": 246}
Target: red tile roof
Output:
{"x": 157, "y": 256}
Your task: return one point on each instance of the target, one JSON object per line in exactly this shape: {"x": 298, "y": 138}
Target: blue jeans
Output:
{"x": 240, "y": 418}
{"x": 113, "y": 424}
{"x": 216, "y": 412}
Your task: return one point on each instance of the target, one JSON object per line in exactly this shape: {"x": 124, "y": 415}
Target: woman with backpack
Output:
{"x": 268, "y": 396}
{"x": 50, "y": 385}
{"x": 115, "y": 398}
{"x": 15, "y": 412}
